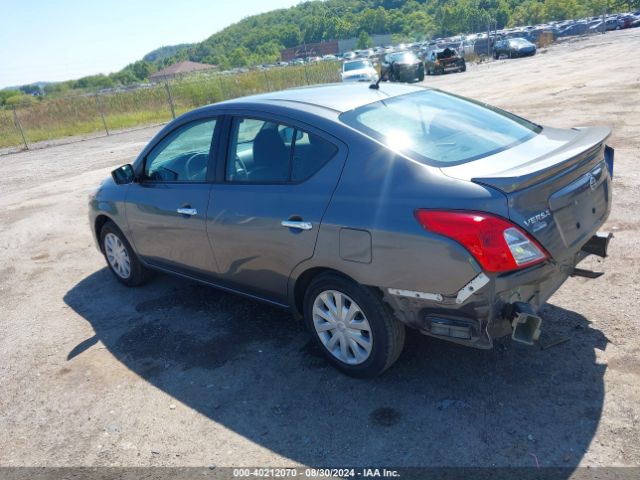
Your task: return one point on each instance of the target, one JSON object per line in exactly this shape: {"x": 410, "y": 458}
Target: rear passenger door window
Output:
{"x": 310, "y": 153}
{"x": 263, "y": 151}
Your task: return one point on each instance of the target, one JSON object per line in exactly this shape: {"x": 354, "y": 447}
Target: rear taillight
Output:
{"x": 497, "y": 244}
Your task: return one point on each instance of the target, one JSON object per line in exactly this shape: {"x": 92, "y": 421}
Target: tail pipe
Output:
{"x": 525, "y": 323}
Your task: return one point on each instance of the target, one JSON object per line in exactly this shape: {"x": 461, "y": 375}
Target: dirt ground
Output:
{"x": 175, "y": 373}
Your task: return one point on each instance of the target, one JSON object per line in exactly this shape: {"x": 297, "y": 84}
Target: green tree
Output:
{"x": 364, "y": 41}
{"x": 529, "y": 12}
{"x": 9, "y": 93}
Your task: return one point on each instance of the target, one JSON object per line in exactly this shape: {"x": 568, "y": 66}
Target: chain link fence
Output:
{"x": 72, "y": 118}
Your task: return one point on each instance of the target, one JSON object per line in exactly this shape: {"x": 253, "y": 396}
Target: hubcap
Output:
{"x": 342, "y": 327}
{"x": 117, "y": 255}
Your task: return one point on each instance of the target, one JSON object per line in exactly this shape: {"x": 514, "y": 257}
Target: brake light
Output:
{"x": 497, "y": 244}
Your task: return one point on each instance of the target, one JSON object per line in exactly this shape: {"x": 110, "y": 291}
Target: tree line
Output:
{"x": 260, "y": 38}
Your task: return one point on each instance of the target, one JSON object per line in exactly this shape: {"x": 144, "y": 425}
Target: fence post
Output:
{"x": 306, "y": 74}
{"x": 170, "y": 99}
{"x": 268, "y": 81}
{"x": 19, "y": 127}
{"x": 222, "y": 92}
{"x": 104, "y": 122}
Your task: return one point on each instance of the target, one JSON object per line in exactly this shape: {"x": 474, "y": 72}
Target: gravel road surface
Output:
{"x": 176, "y": 373}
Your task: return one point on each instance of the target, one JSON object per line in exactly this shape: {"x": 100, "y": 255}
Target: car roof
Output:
{"x": 339, "y": 97}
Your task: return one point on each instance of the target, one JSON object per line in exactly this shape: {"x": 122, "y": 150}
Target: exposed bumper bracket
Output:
{"x": 598, "y": 244}
{"x": 581, "y": 272}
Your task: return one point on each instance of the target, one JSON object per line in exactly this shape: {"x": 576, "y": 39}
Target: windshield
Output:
{"x": 356, "y": 65}
{"x": 438, "y": 128}
{"x": 519, "y": 41}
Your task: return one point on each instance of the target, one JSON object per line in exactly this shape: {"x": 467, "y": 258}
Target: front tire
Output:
{"x": 356, "y": 331}
{"x": 120, "y": 257}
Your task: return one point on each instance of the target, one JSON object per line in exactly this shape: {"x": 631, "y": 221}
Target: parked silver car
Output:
{"x": 365, "y": 209}
{"x": 361, "y": 70}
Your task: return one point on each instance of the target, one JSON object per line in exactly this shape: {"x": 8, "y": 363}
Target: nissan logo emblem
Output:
{"x": 592, "y": 182}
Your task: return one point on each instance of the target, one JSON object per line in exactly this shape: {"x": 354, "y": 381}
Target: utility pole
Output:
{"x": 488, "y": 37}
{"x": 19, "y": 127}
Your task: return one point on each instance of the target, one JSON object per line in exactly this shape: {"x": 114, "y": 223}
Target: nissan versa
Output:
{"x": 365, "y": 210}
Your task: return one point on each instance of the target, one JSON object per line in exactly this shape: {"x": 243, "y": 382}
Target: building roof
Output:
{"x": 181, "y": 68}
{"x": 340, "y": 97}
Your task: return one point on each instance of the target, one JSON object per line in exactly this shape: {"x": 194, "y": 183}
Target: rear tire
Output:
{"x": 120, "y": 257}
{"x": 338, "y": 310}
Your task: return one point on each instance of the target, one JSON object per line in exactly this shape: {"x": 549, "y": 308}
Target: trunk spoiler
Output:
{"x": 587, "y": 144}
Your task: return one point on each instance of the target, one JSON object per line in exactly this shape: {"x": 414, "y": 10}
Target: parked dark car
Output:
{"x": 402, "y": 67}
{"x": 513, "y": 47}
{"x": 597, "y": 26}
{"x": 627, "y": 21}
{"x": 612, "y": 23}
{"x": 364, "y": 210}
{"x": 444, "y": 61}
{"x": 579, "y": 28}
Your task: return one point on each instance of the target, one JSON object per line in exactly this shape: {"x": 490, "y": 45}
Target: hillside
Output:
{"x": 165, "y": 52}
{"x": 259, "y": 38}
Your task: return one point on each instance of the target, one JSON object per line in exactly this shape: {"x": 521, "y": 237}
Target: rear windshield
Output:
{"x": 440, "y": 129}
{"x": 446, "y": 53}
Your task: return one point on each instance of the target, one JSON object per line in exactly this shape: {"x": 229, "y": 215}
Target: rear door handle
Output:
{"x": 187, "y": 211}
{"x": 297, "y": 224}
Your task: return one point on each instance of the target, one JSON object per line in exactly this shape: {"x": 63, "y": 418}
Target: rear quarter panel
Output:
{"x": 378, "y": 193}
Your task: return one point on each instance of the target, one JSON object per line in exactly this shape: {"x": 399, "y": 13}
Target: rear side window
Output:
{"x": 440, "y": 129}
{"x": 262, "y": 151}
{"x": 310, "y": 153}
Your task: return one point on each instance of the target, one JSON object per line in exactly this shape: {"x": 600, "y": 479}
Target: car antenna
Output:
{"x": 376, "y": 86}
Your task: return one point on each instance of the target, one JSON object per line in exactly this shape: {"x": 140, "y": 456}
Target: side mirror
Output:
{"x": 287, "y": 134}
{"x": 123, "y": 175}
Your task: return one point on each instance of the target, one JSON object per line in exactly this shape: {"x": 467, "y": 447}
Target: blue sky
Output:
{"x": 55, "y": 40}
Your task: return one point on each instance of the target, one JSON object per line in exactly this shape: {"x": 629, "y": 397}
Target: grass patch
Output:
{"x": 51, "y": 119}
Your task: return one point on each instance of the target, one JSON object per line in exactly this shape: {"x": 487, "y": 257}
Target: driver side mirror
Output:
{"x": 287, "y": 134}
{"x": 123, "y": 175}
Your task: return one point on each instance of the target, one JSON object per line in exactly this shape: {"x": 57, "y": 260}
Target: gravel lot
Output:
{"x": 175, "y": 373}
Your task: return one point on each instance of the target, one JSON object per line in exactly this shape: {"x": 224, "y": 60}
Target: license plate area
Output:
{"x": 579, "y": 208}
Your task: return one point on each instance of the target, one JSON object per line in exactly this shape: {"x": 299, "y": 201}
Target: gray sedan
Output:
{"x": 365, "y": 210}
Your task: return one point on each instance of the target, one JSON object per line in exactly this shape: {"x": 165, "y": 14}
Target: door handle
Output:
{"x": 297, "y": 224}
{"x": 187, "y": 211}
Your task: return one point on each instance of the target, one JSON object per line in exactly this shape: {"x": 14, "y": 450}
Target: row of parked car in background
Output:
{"x": 412, "y": 61}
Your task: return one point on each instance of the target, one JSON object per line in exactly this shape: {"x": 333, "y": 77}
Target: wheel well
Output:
{"x": 99, "y": 223}
{"x": 304, "y": 280}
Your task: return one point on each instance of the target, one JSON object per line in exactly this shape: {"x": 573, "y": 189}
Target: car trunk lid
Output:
{"x": 557, "y": 184}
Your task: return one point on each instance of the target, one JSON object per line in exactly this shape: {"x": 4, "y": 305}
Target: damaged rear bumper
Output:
{"x": 492, "y": 306}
